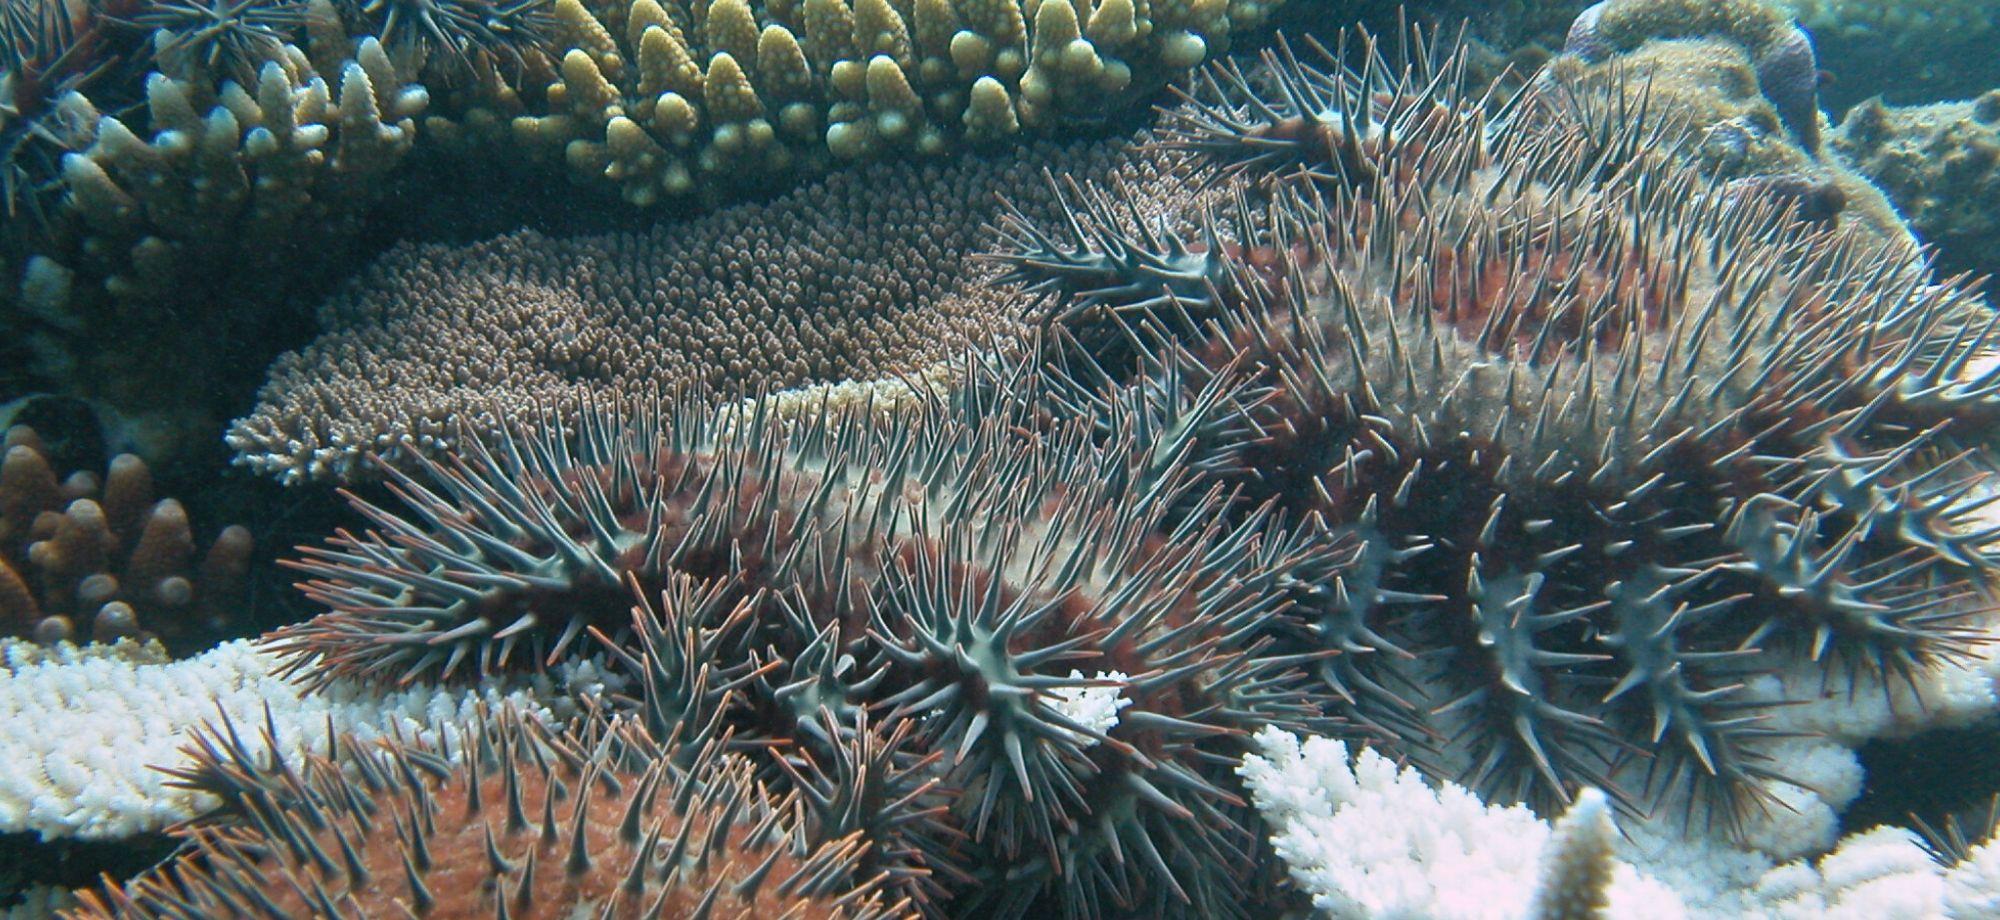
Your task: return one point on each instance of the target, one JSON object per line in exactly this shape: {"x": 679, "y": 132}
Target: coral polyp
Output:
{"x": 1612, "y": 442}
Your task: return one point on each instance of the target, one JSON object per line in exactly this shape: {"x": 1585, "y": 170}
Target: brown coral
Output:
{"x": 530, "y": 824}
{"x": 101, "y": 559}
{"x": 861, "y": 276}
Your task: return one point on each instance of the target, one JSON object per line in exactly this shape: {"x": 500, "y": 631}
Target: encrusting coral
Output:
{"x": 1614, "y": 441}
{"x": 1781, "y": 52}
{"x": 710, "y": 98}
{"x": 867, "y": 274}
{"x": 1940, "y": 165}
{"x": 98, "y": 557}
{"x": 1733, "y": 85}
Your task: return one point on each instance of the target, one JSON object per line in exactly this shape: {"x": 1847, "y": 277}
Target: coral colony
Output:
{"x": 1371, "y": 490}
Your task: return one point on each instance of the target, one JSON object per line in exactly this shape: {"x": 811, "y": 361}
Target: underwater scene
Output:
{"x": 1083, "y": 459}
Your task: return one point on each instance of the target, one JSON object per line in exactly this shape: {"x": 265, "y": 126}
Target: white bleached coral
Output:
{"x": 1096, "y": 707}
{"x": 1883, "y": 874}
{"x": 1972, "y": 887}
{"x": 82, "y": 731}
{"x": 1369, "y": 840}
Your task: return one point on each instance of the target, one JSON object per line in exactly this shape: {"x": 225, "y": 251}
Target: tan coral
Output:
{"x": 207, "y": 192}
{"x": 867, "y": 274}
{"x": 101, "y": 559}
{"x": 1707, "y": 90}
{"x": 1940, "y": 164}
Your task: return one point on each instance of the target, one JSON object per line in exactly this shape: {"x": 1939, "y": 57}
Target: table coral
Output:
{"x": 1940, "y": 165}
{"x": 864, "y": 275}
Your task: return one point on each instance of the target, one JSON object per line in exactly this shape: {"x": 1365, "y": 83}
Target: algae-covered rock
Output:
{"x": 1940, "y": 165}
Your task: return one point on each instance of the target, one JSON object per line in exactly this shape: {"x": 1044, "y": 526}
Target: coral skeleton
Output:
{"x": 127, "y": 712}
{"x": 1370, "y": 839}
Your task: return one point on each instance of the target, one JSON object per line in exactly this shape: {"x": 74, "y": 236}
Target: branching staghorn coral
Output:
{"x": 1615, "y": 440}
{"x": 712, "y": 98}
{"x": 864, "y": 275}
{"x": 84, "y": 556}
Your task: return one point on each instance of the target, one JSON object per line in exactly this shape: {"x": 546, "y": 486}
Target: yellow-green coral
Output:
{"x": 669, "y": 98}
{"x": 255, "y": 163}
{"x": 205, "y": 190}
{"x": 1754, "y": 24}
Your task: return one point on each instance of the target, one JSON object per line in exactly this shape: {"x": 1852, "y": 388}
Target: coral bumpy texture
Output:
{"x": 689, "y": 97}
{"x": 84, "y": 557}
{"x": 1611, "y": 442}
{"x": 1487, "y": 432}
{"x": 862, "y": 276}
